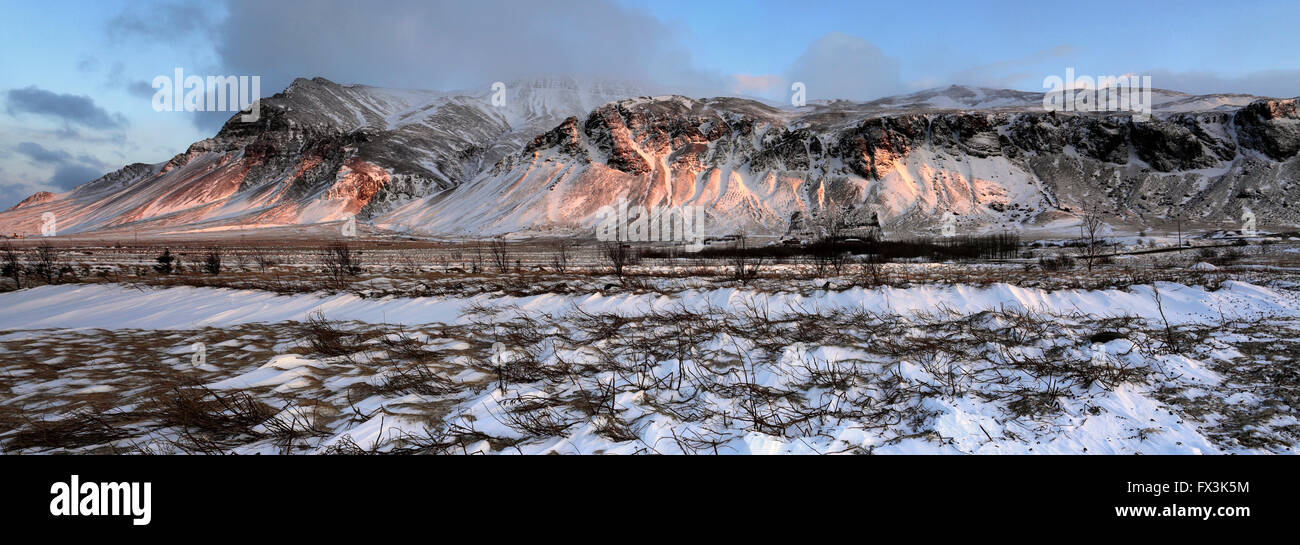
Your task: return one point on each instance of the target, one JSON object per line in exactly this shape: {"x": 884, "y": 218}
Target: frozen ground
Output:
{"x": 1158, "y": 368}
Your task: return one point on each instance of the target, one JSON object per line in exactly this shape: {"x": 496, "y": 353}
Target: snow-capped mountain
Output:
{"x": 961, "y": 97}
{"x": 558, "y": 150}
{"x": 319, "y": 152}
{"x": 755, "y": 168}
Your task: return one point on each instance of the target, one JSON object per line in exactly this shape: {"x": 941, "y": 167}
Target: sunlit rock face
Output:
{"x": 556, "y": 151}
{"x": 755, "y": 168}
{"x": 1270, "y": 126}
{"x": 36, "y": 198}
{"x": 321, "y": 152}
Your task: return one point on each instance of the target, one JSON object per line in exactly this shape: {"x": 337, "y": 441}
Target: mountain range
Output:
{"x": 559, "y": 149}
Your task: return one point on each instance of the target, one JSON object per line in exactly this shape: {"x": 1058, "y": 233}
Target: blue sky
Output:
{"x": 75, "y": 100}
{"x": 935, "y": 38}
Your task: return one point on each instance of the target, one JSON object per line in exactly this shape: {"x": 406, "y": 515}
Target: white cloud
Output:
{"x": 840, "y": 66}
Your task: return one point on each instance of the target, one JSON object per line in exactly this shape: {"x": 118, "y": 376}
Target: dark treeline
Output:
{"x": 962, "y": 248}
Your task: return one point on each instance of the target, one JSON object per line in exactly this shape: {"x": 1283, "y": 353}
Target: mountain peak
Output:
{"x": 299, "y": 84}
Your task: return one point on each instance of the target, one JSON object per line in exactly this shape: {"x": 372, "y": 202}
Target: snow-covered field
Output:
{"x": 930, "y": 368}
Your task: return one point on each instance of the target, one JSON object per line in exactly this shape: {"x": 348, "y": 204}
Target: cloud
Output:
{"x": 439, "y": 44}
{"x": 1008, "y": 73}
{"x": 69, "y": 133}
{"x": 1272, "y": 83}
{"x": 454, "y": 44}
{"x": 762, "y": 85}
{"x": 840, "y": 66}
{"x": 72, "y": 175}
{"x": 40, "y": 154}
{"x": 447, "y": 43}
{"x": 141, "y": 89}
{"x": 88, "y": 64}
{"x": 162, "y": 21}
{"x": 69, "y": 171}
{"x": 11, "y": 194}
{"x": 76, "y": 109}
{"x": 117, "y": 80}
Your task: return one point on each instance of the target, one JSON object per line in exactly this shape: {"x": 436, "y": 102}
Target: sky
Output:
{"x": 76, "y": 99}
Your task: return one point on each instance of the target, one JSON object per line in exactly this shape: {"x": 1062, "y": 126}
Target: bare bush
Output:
{"x": 325, "y": 338}
{"x": 560, "y": 259}
{"x": 12, "y": 265}
{"x": 209, "y": 421}
{"x": 873, "y": 270}
{"x": 500, "y": 253}
{"x": 1170, "y": 340}
{"x": 619, "y": 256}
{"x": 744, "y": 267}
{"x": 1055, "y": 263}
{"x": 341, "y": 263}
{"x": 48, "y": 263}
{"x": 264, "y": 258}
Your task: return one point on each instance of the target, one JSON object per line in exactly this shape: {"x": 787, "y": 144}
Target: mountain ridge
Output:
{"x": 452, "y": 163}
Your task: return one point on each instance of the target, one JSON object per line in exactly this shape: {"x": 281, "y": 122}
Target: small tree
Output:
{"x": 166, "y": 262}
{"x": 1092, "y": 221}
{"x": 743, "y": 266}
{"x": 476, "y": 266}
{"x": 618, "y": 255}
{"x": 500, "y": 253}
{"x": 212, "y": 261}
{"x": 1179, "y": 219}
